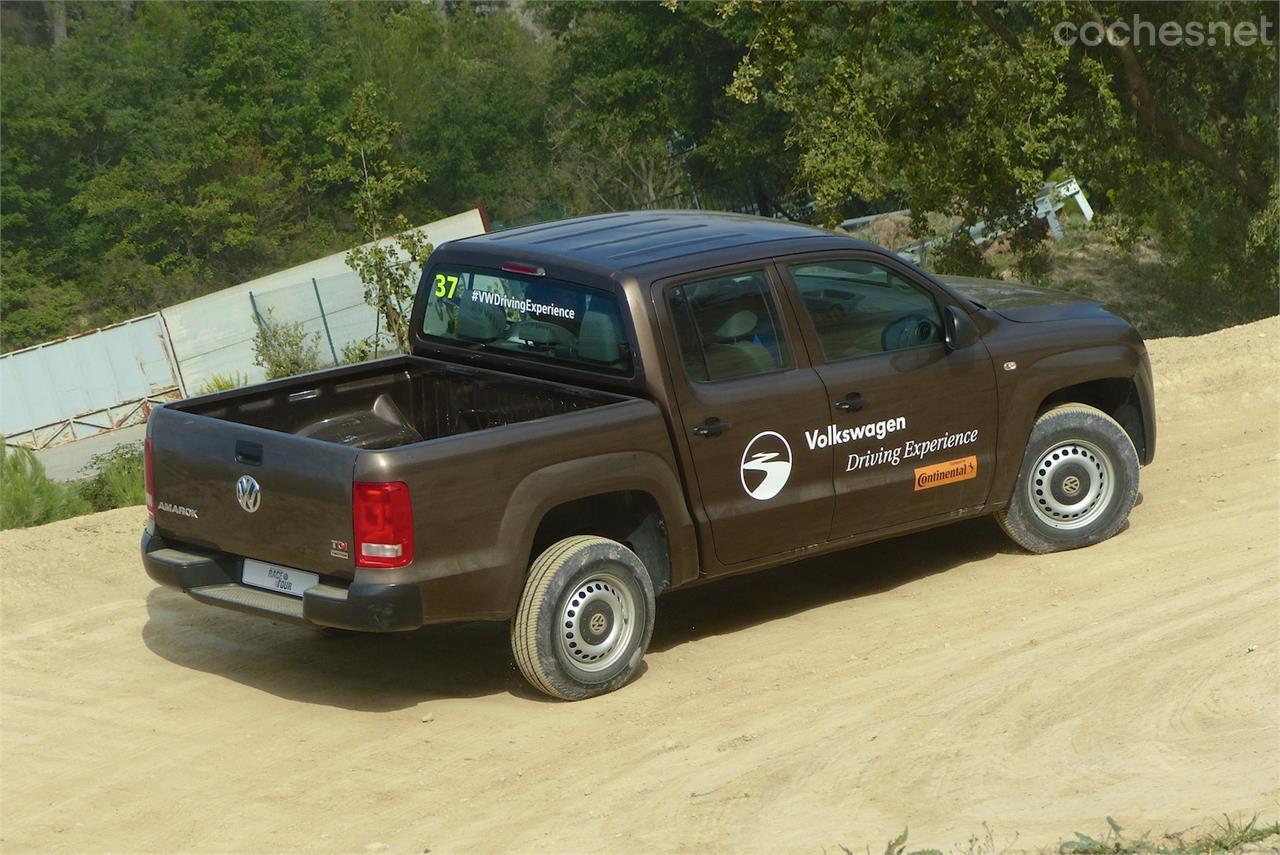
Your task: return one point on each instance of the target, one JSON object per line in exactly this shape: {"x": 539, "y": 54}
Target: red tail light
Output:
{"x": 382, "y": 519}
{"x": 149, "y": 478}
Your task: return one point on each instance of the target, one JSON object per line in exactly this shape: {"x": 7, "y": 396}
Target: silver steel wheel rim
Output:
{"x": 1071, "y": 485}
{"x": 597, "y": 622}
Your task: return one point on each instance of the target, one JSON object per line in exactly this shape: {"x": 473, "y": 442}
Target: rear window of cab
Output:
{"x": 527, "y": 316}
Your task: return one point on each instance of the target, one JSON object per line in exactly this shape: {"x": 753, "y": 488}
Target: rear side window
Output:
{"x": 729, "y": 327}
{"x": 526, "y": 316}
{"x": 860, "y": 308}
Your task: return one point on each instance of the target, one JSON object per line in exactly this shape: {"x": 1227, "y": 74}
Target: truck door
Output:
{"x": 746, "y": 394}
{"x": 913, "y": 423}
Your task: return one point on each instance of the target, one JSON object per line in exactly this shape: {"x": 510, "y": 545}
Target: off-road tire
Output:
{"x": 1071, "y": 441}
{"x": 605, "y": 577}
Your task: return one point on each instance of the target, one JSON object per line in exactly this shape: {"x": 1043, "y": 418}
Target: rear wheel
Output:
{"x": 585, "y": 618}
{"x": 1078, "y": 482}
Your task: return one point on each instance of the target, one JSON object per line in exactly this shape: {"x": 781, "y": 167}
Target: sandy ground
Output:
{"x": 938, "y": 681}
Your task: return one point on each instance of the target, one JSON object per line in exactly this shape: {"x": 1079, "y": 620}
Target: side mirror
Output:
{"x": 960, "y": 330}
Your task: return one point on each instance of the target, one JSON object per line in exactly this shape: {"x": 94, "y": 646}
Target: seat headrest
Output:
{"x": 599, "y": 338}
{"x": 481, "y": 321}
{"x": 737, "y": 326}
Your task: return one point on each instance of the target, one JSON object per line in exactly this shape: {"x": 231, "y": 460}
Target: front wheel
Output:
{"x": 1078, "y": 482}
{"x": 585, "y": 618}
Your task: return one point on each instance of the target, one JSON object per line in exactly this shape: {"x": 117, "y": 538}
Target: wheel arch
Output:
{"x": 1109, "y": 378}
{"x": 630, "y": 517}
{"x": 631, "y": 497}
{"x": 1115, "y": 396}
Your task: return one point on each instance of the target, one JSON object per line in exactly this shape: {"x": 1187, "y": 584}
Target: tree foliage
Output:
{"x": 964, "y": 109}
{"x": 641, "y": 115}
{"x": 163, "y": 150}
{"x": 154, "y": 151}
{"x": 387, "y": 263}
{"x": 157, "y": 152}
{"x": 28, "y": 497}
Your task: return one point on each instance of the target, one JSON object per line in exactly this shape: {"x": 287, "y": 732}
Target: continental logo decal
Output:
{"x": 947, "y": 472}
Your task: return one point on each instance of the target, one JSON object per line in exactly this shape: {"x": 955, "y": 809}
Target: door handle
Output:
{"x": 851, "y": 403}
{"x": 248, "y": 453}
{"x": 711, "y": 427}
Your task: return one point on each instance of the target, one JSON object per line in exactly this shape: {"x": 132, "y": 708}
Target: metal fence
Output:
{"x": 213, "y": 335}
{"x": 109, "y": 378}
{"x": 88, "y": 384}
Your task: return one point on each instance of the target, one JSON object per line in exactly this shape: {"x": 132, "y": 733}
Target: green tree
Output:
{"x": 964, "y": 109}
{"x": 641, "y": 115}
{"x": 158, "y": 151}
{"x": 28, "y": 497}
{"x": 468, "y": 86}
{"x": 394, "y": 251}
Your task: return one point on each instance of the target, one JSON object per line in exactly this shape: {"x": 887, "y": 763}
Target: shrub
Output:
{"x": 1033, "y": 266}
{"x": 960, "y": 256}
{"x": 364, "y": 349}
{"x": 285, "y": 349}
{"x": 28, "y": 497}
{"x": 360, "y": 350}
{"x": 116, "y": 480}
{"x": 223, "y": 383}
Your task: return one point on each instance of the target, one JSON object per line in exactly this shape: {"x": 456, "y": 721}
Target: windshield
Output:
{"x": 527, "y": 316}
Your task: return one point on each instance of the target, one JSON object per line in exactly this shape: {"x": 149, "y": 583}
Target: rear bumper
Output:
{"x": 214, "y": 578}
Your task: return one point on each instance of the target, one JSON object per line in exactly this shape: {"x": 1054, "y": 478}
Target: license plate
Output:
{"x": 273, "y": 577}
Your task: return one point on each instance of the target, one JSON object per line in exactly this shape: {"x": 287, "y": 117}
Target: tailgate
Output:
{"x": 303, "y": 491}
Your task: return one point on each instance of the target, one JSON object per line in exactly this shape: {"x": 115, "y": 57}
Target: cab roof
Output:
{"x": 652, "y": 241}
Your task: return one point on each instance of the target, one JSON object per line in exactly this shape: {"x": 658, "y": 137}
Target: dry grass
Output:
{"x": 1227, "y": 836}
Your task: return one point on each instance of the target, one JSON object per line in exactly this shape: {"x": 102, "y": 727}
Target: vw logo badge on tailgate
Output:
{"x": 248, "y": 493}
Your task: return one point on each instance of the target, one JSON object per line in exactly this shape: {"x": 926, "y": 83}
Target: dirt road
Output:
{"x": 938, "y": 681}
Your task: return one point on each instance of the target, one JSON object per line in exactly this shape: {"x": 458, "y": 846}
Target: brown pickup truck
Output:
{"x": 603, "y": 409}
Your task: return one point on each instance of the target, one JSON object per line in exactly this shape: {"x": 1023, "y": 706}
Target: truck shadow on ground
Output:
{"x": 736, "y": 603}
{"x": 357, "y": 671}
{"x": 399, "y": 671}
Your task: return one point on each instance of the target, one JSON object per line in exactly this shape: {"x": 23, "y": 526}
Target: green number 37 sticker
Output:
{"x": 446, "y": 286}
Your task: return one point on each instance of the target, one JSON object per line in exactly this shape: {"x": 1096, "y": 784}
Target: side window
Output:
{"x": 860, "y": 308}
{"x": 729, "y": 327}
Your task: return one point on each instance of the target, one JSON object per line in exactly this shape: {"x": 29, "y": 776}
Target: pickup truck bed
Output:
{"x": 395, "y": 402}
{"x": 465, "y": 437}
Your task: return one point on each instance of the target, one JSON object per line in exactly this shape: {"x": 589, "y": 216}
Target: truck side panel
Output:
{"x": 478, "y": 499}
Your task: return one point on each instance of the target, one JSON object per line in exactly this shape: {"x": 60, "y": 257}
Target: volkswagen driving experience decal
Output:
{"x": 766, "y": 461}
